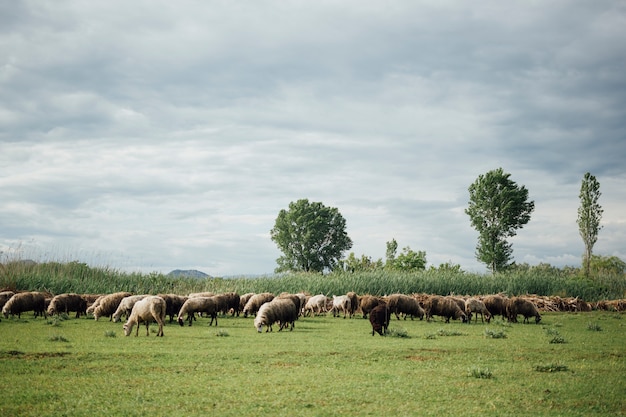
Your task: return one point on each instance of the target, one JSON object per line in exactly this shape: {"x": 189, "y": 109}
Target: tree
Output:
{"x": 311, "y": 236}
{"x": 497, "y": 208}
{"x": 408, "y": 260}
{"x": 392, "y": 248}
{"x": 589, "y": 215}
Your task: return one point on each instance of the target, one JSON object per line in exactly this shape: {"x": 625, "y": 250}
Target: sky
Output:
{"x": 156, "y": 135}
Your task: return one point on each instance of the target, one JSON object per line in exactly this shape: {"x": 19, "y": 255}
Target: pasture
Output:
{"x": 570, "y": 364}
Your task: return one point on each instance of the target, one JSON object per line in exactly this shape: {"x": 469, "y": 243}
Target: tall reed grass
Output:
{"x": 57, "y": 278}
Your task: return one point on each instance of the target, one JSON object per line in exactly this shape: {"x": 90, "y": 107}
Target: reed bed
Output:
{"x": 58, "y": 277}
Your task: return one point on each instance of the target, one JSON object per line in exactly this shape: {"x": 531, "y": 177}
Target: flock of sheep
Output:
{"x": 283, "y": 309}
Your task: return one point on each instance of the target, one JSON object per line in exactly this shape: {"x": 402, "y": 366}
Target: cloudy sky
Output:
{"x": 154, "y": 135}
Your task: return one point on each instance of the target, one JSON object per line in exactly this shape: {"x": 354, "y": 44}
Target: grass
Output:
{"x": 325, "y": 366}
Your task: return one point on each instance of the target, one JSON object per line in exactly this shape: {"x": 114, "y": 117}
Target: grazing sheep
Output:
{"x": 146, "y": 310}
{"x": 354, "y": 302}
{"x": 94, "y": 305}
{"x": 201, "y": 294}
{"x": 25, "y": 301}
{"x": 232, "y": 303}
{"x": 255, "y": 302}
{"x": 341, "y": 303}
{"x": 404, "y": 304}
{"x": 295, "y": 299}
{"x": 108, "y": 304}
{"x": 64, "y": 303}
{"x": 243, "y": 300}
{"x": 474, "y": 305}
{"x": 126, "y": 306}
{"x": 496, "y": 304}
{"x": 368, "y": 302}
{"x": 173, "y": 304}
{"x": 316, "y": 305}
{"x": 4, "y": 297}
{"x": 208, "y": 305}
{"x": 445, "y": 307}
{"x": 521, "y": 306}
{"x": 379, "y": 319}
{"x": 281, "y": 310}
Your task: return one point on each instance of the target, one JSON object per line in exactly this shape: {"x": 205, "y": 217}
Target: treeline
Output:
{"x": 545, "y": 280}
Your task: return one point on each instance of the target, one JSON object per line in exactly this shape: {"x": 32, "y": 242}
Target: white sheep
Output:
{"x": 126, "y": 306}
{"x": 316, "y": 304}
{"x": 146, "y": 310}
{"x": 341, "y": 303}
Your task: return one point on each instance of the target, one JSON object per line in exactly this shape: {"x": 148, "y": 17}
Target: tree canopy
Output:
{"x": 311, "y": 236}
{"x": 497, "y": 208}
{"x": 589, "y": 216}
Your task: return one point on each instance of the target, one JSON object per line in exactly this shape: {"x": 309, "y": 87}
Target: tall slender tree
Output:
{"x": 589, "y": 216}
{"x": 497, "y": 208}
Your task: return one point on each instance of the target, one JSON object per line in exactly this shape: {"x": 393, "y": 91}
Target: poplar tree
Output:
{"x": 589, "y": 216}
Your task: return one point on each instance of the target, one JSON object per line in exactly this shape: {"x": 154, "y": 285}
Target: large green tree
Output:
{"x": 589, "y": 216}
{"x": 311, "y": 236}
{"x": 497, "y": 208}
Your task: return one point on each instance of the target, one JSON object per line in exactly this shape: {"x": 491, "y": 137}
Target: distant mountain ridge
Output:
{"x": 188, "y": 273}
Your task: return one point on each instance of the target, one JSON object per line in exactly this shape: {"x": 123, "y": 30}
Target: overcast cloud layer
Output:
{"x": 159, "y": 135}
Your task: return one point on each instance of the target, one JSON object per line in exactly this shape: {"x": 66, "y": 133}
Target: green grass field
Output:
{"x": 570, "y": 364}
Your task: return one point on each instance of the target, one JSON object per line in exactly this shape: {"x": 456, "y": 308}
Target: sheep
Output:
{"x": 404, "y": 304}
{"x": 354, "y": 302}
{"x": 25, "y": 301}
{"x": 341, "y": 303}
{"x": 474, "y": 305}
{"x": 316, "y": 305}
{"x": 4, "y": 297}
{"x": 108, "y": 304}
{"x": 146, "y": 310}
{"x": 445, "y": 307}
{"x": 255, "y": 302}
{"x": 521, "y": 306}
{"x": 64, "y": 303}
{"x": 243, "y": 300}
{"x": 379, "y": 319}
{"x": 94, "y": 305}
{"x": 496, "y": 304}
{"x": 173, "y": 304}
{"x": 296, "y": 299}
{"x": 368, "y": 302}
{"x": 208, "y": 305}
{"x": 126, "y": 306}
{"x": 281, "y": 310}
{"x": 228, "y": 301}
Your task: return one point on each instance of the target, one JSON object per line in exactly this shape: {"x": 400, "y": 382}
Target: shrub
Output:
{"x": 557, "y": 340}
{"x": 480, "y": 373}
{"x": 58, "y": 338}
{"x": 110, "y": 333}
{"x": 401, "y": 332}
{"x": 595, "y": 327}
{"x": 446, "y": 332}
{"x": 551, "y": 368}
{"x": 495, "y": 334}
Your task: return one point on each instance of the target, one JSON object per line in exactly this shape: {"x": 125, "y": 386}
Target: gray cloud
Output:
{"x": 170, "y": 135}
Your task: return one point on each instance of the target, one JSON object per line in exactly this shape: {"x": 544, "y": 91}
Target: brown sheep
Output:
{"x": 404, "y": 304}
{"x": 108, "y": 304}
{"x": 208, "y": 305}
{"x": 496, "y": 304}
{"x": 146, "y": 310}
{"x": 255, "y": 302}
{"x": 243, "y": 300}
{"x": 64, "y": 303}
{"x": 354, "y": 302}
{"x": 368, "y": 302}
{"x": 281, "y": 310}
{"x": 379, "y": 319}
{"x": 173, "y": 303}
{"x": 524, "y": 307}
{"x": 295, "y": 299}
{"x": 445, "y": 307}
{"x": 25, "y": 301}
{"x": 474, "y": 305}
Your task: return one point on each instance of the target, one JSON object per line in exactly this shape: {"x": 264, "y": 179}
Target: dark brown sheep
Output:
{"x": 368, "y": 302}
{"x": 404, "y": 304}
{"x": 445, "y": 307}
{"x": 379, "y": 319}
{"x": 4, "y": 297}
{"x": 25, "y": 301}
{"x": 524, "y": 307}
{"x": 66, "y": 303}
{"x": 173, "y": 304}
{"x": 496, "y": 304}
{"x": 295, "y": 299}
{"x": 354, "y": 302}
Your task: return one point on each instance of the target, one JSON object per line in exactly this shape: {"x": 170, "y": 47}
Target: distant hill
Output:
{"x": 188, "y": 273}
